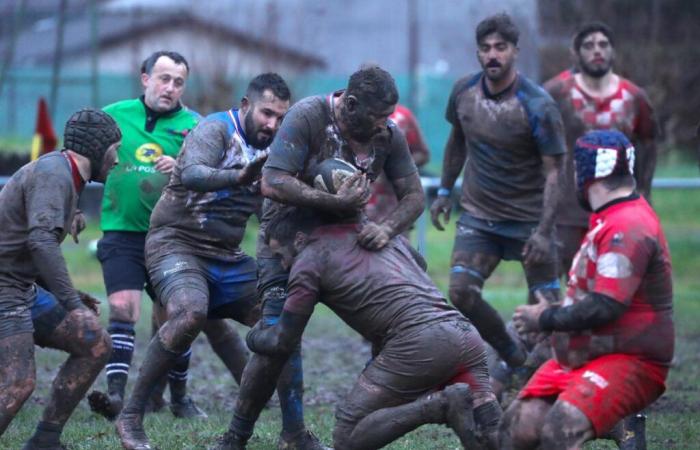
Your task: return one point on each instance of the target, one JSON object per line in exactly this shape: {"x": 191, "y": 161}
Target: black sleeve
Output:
{"x": 594, "y": 311}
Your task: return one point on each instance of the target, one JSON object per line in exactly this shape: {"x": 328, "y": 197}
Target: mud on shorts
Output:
{"x": 417, "y": 362}
{"x": 121, "y": 254}
{"x": 606, "y": 389}
{"x": 230, "y": 286}
{"x": 47, "y": 314}
{"x": 15, "y": 310}
{"x": 504, "y": 239}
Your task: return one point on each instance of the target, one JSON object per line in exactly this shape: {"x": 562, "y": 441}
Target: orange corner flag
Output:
{"x": 44, "y": 139}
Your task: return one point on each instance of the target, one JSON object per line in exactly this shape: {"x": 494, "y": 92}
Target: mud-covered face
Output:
{"x": 496, "y": 56}
{"x": 364, "y": 121}
{"x": 263, "y": 118}
{"x": 164, "y": 86}
{"x": 596, "y": 55}
{"x": 109, "y": 160}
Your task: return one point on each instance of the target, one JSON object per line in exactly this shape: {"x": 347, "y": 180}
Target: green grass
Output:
{"x": 334, "y": 355}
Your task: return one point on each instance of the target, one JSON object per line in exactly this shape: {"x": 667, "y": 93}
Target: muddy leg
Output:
{"x": 89, "y": 345}
{"x": 228, "y": 345}
{"x": 520, "y": 425}
{"x": 565, "y": 427}
{"x": 17, "y": 375}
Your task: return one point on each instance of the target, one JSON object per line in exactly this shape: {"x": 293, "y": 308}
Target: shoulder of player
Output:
{"x": 309, "y": 108}
{"x": 123, "y": 105}
{"x": 532, "y": 93}
{"x": 212, "y": 125}
{"x": 634, "y": 90}
{"x": 558, "y": 85}
{"x": 465, "y": 83}
{"x": 53, "y": 169}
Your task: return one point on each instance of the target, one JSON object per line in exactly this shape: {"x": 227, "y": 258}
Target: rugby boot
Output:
{"x": 107, "y": 405}
{"x": 459, "y": 413}
{"x": 230, "y": 441}
{"x": 302, "y": 440}
{"x": 632, "y": 434}
{"x": 186, "y": 408}
{"x": 131, "y": 433}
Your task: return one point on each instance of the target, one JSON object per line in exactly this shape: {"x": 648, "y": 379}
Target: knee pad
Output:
{"x": 465, "y": 287}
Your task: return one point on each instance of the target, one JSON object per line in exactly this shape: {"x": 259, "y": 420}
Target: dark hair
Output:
{"x": 373, "y": 85}
{"x": 285, "y": 224}
{"x": 589, "y": 28}
{"x": 501, "y": 24}
{"x": 264, "y": 81}
{"x": 148, "y": 63}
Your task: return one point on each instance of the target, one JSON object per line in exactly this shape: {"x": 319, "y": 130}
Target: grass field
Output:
{"x": 334, "y": 355}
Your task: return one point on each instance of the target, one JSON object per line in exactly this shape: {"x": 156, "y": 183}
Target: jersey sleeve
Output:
{"x": 645, "y": 126}
{"x": 623, "y": 257}
{"x": 399, "y": 162}
{"x": 205, "y": 144}
{"x": 47, "y": 197}
{"x": 290, "y": 148}
{"x": 548, "y": 128}
{"x": 304, "y": 285}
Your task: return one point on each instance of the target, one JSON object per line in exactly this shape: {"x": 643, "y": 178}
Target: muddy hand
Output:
{"x": 527, "y": 317}
{"x": 165, "y": 164}
{"x": 354, "y": 192}
{"x": 536, "y": 249}
{"x": 251, "y": 170}
{"x": 441, "y": 205}
{"x": 90, "y": 301}
{"x": 77, "y": 225}
{"x": 374, "y": 236}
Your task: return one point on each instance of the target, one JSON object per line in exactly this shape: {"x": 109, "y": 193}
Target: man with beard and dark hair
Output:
{"x": 351, "y": 125}
{"x": 193, "y": 253}
{"x": 613, "y": 335}
{"x": 595, "y": 97}
{"x": 509, "y": 132}
{"x": 37, "y": 207}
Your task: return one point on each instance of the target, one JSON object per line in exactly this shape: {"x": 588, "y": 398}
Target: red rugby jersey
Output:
{"x": 625, "y": 257}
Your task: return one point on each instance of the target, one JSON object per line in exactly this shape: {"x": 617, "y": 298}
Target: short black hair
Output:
{"x": 589, "y": 28}
{"x": 501, "y": 24}
{"x": 289, "y": 220}
{"x": 374, "y": 85}
{"x": 148, "y": 63}
{"x": 271, "y": 81}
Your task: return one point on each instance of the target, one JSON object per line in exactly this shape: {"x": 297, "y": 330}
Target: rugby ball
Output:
{"x": 331, "y": 173}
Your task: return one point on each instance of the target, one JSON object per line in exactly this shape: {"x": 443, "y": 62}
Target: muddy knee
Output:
{"x": 465, "y": 288}
{"x": 181, "y": 329}
{"x": 565, "y": 426}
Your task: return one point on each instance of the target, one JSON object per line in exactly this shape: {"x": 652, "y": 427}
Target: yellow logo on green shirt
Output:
{"x": 149, "y": 152}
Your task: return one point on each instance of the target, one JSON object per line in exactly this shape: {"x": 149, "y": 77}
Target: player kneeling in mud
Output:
{"x": 424, "y": 343}
{"x": 37, "y": 208}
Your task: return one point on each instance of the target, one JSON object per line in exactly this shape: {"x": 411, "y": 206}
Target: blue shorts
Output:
{"x": 231, "y": 286}
{"x": 47, "y": 314}
{"x": 121, "y": 254}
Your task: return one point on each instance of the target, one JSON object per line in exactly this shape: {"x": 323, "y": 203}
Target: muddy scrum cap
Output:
{"x": 599, "y": 154}
{"x": 90, "y": 132}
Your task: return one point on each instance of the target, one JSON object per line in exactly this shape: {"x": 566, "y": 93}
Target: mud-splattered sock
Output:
{"x": 47, "y": 434}
{"x": 177, "y": 376}
{"x": 290, "y": 390}
{"x": 117, "y": 368}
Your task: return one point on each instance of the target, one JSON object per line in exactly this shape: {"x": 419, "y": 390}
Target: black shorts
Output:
{"x": 15, "y": 310}
{"x": 121, "y": 254}
{"x": 503, "y": 238}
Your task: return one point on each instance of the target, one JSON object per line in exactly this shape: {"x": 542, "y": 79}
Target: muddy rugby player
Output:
{"x": 37, "y": 208}
{"x": 513, "y": 134}
{"x": 387, "y": 297}
{"x": 613, "y": 335}
{"x": 595, "y": 97}
{"x": 352, "y": 125}
{"x": 193, "y": 253}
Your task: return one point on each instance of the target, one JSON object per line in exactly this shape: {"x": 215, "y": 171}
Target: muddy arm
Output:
{"x": 279, "y": 339}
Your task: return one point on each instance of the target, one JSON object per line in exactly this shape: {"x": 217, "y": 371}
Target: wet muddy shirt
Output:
{"x": 627, "y": 110}
{"x": 210, "y": 224}
{"x": 506, "y": 137}
{"x": 625, "y": 257}
{"x": 134, "y": 185}
{"x": 42, "y": 195}
{"x": 379, "y": 294}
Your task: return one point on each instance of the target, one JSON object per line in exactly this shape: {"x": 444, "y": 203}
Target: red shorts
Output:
{"x": 606, "y": 389}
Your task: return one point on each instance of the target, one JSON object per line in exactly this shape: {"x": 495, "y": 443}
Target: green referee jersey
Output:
{"x": 134, "y": 185}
